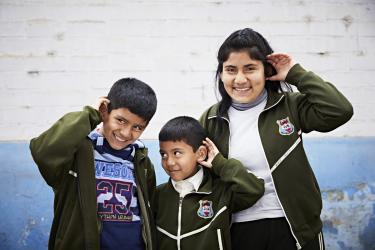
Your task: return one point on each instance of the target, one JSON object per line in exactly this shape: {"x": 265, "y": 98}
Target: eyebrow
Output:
{"x": 136, "y": 124}
{"x": 247, "y": 65}
{"x": 173, "y": 149}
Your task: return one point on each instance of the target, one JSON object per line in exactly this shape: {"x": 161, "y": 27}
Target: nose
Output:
{"x": 126, "y": 132}
{"x": 240, "y": 78}
{"x": 170, "y": 162}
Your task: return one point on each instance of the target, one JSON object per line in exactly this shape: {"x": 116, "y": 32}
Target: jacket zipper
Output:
{"x": 220, "y": 241}
{"x": 277, "y": 195}
{"x": 179, "y": 223}
{"x": 80, "y": 202}
{"x": 286, "y": 217}
{"x": 144, "y": 215}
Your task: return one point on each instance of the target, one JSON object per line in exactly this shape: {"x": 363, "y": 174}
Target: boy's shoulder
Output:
{"x": 163, "y": 186}
{"x": 165, "y": 189}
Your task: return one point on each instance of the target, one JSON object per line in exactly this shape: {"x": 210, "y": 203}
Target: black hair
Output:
{"x": 257, "y": 48}
{"x": 134, "y": 95}
{"x": 183, "y": 128}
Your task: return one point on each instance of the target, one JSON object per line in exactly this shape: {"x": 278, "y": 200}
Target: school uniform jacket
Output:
{"x": 201, "y": 219}
{"x": 65, "y": 158}
{"x": 318, "y": 106}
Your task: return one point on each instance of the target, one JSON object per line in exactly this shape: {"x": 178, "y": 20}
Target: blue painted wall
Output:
{"x": 345, "y": 169}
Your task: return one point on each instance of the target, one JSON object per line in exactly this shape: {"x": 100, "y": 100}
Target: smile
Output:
{"x": 243, "y": 89}
{"x": 119, "y": 139}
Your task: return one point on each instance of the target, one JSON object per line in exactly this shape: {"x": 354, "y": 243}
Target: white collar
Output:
{"x": 194, "y": 180}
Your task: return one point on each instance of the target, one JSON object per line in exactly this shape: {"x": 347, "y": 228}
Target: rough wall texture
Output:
{"x": 56, "y": 56}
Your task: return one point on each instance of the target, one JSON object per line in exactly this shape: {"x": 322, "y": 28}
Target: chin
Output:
{"x": 118, "y": 146}
{"x": 245, "y": 100}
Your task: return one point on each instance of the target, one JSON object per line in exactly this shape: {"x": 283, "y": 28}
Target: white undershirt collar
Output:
{"x": 190, "y": 184}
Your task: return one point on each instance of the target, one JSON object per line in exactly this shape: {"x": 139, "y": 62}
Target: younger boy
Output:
{"x": 193, "y": 210}
{"x": 102, "y": 177}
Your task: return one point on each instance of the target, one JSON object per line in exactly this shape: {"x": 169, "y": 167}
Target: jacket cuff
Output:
{"x": 94, "y": 116}
{"x": 294, "y": 75}
{"x": 218, "y": 163}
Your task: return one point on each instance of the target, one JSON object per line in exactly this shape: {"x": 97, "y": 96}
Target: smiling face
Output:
{"x": 121, "y": 127}
{"x": 244, "y": 78}
{"x": 179, "y": 160}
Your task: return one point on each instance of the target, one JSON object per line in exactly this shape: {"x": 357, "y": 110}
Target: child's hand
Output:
{"x": 212, "y": 151}
{"x": 100, "y": 103}
{"x": 282, "y": 64}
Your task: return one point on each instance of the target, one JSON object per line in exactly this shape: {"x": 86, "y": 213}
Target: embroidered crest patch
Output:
{"x": 285, "y": 126}
{"x": 205, "y": 210}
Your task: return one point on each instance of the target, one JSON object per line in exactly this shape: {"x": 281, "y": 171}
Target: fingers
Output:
{"x": 273, "y": 78}
{"x": 208, "y": 143}
{"x": 278, "y": 58}
{"x": 282, "y": 63}
{"x": 103, "y": 100}
{"x": 205, "y": 164}
{"x": 212, "y": 149}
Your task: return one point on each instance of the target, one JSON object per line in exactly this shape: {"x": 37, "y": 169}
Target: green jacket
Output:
{"x": 318, "y": 106}
{"x": 65, "y": 158}
{"x": 182, "y": 223}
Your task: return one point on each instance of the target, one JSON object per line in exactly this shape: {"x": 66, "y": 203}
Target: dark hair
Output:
{"x": 134, "y": 95}
{"x": 257, "y": 47}
{"x": 183, "y": 128}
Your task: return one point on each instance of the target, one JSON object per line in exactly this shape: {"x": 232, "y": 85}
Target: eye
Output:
{"x": 121, "y": 121}
{"x": 138, "y": 128}
{"x": 231, "y": 70}
{"x": 178, "y": 153}
{"x": 163, "y": 155}
{"x": 249, "y": 69}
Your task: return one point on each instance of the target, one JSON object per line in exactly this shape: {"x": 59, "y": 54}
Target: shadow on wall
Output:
{"x": 345, "y": 169}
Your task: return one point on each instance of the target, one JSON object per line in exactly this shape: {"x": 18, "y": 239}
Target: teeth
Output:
{"x": 241, "y": 89}
{"x": 119, "y": 139}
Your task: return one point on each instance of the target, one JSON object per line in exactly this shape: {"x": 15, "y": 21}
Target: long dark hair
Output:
{"x": 257, "y": 47}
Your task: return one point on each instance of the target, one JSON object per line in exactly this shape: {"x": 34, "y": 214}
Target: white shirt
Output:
{"x": 190, "y": 184}
{"x": 245, "y": 145}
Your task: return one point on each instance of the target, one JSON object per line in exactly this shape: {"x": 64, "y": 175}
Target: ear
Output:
{"x": 269, "y": 70}
{"x": 103, "y": 110}
{"x": 201, "y": 153}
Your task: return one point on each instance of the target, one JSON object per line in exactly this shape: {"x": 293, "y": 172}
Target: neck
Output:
{"x": 245, "y": 106}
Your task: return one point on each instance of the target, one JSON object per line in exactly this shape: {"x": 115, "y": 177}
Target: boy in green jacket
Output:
{"x": 100, "y": 173}
{"x": 193, "y": 209}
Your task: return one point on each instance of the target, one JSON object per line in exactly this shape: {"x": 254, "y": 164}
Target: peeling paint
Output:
{"x": 348, "y": 216}
{"x": 323, "y": 53}
{"x": 367, "y": 238}
{"x": 361, "y": 53}
{"x": 308, "y": 19}
{"x": 31, "y": 224}
{"x": 60, "y": 36}
{"x": 33, "y": 72}
{"x": 51, "y": 53}
{"x": 347, "y": 20}
{"x": 87, "y": 21}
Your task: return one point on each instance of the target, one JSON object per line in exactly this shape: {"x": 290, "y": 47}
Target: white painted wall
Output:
{"x": 59, "y": 55}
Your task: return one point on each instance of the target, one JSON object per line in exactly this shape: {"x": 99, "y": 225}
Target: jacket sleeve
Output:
{"x": 151, "y": 184}
{"x": 320, "y": 106}
{"x": 243, "y": 187}
{"x": 54, "y": 150}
